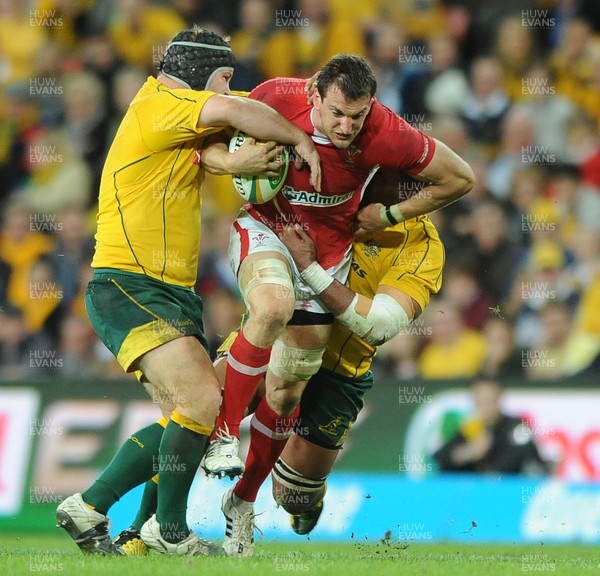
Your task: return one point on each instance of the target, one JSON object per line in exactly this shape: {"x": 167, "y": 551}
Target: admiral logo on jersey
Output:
{"x": 314, "y": 198}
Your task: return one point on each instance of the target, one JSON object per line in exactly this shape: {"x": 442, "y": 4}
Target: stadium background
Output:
{"x": 512, "y": 86}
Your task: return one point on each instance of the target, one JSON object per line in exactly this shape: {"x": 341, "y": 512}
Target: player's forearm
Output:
{"x": 433, "y": 197}
{"x": 335, "y": 296}
{"x": 448, "y": 176}
{"x": 263, "y": 123}
{"x": 375, "y": 321}
{"x": 216, "y": 159}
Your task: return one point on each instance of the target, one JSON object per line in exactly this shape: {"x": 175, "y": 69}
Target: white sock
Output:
{"x": 241, "y": 505}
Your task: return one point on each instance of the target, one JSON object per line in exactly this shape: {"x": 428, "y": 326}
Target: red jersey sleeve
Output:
{"x": 394, "y": 143}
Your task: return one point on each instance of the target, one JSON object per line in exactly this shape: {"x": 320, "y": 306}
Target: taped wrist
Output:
{"x": 317, "y": 278}
{"x": 385, "y": 319}
{"x": 391, "y": 215}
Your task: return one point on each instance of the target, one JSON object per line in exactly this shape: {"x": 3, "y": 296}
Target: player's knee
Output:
{"x": 272, "y": 314}
{"x": 199, "y": 397}
{"x": 202, "y": 406}
{"x": 211, "y": 402}
{"x": 293, "y": 491}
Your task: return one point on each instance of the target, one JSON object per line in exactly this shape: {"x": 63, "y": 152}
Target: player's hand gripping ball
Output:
{"x": 257, "y": 188}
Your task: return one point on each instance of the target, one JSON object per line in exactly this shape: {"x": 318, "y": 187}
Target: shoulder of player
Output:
{"x": 282, "y": 92}
{"x": 383, "y": 122}
{"x": 153, "y": 90}
{"x": 381, "y": 128}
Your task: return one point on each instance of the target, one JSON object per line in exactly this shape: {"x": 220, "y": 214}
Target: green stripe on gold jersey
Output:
{"x": 409, "y": 257}
{"x": 150, "y": 202}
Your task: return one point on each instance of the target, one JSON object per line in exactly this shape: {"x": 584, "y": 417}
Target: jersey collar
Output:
{"x": 317, "y": 136}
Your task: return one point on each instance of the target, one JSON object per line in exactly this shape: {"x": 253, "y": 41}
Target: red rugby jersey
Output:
{"x": 386, "y": 140}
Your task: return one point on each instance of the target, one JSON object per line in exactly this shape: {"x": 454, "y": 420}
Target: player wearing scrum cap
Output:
{"x": 141, "y": 300}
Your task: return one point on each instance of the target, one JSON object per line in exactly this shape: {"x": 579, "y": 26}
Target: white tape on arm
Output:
{"x": 385, "y": 319}
{"x": 317, "y": 278}
{"x": 391, "y": 215}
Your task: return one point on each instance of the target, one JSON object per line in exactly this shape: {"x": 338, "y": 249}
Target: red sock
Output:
{"x": 246, "y": 365}
{"x": 269, "y": 433}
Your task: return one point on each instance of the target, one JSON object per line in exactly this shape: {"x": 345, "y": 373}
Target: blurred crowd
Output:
{"x": 513, "y": 86}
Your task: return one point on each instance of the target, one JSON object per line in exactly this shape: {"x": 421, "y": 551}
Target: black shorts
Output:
{"x": 330, "y": 405}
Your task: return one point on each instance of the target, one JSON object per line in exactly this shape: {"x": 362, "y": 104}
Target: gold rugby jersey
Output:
{"x": 150, "y": 202}
{"x": 408, "y": 257}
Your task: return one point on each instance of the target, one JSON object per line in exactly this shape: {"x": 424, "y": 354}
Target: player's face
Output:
{"x": 338, "y": 118}
{"x": 220, "y": 83}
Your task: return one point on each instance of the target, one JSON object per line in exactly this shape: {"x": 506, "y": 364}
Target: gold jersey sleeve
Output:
{"x": 408, "y": 257}
{"x": 149, "y": 203}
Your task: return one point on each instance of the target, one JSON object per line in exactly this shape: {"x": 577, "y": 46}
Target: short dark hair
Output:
{"x": 351, "y": 74}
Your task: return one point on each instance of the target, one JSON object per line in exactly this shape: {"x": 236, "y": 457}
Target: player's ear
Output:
{"x": 316, "y": 99}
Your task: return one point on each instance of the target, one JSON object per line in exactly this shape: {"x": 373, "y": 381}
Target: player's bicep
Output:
{"x": 220, "y": 110}
{"x": 446, "y": 168}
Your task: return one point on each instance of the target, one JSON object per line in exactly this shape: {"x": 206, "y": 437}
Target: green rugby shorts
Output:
{"x": 133, "y": 314}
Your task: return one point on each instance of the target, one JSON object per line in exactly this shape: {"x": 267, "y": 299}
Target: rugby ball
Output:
{"x": 257, "y": 189}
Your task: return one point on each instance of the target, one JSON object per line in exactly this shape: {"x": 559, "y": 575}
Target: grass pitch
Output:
{"x": 44, "y": 554}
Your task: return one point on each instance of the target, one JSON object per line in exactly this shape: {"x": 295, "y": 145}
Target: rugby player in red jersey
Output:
{"x": 287, "y": 327}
